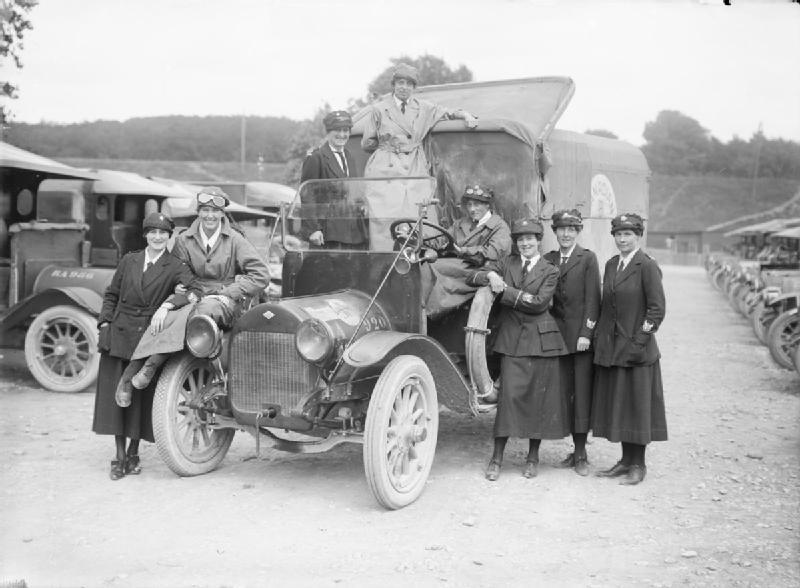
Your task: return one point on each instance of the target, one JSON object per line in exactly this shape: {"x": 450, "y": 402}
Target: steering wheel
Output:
{"x": 430, "y": 241}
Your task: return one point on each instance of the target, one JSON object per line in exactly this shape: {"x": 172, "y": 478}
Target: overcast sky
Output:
{"x": 730, "y": 68}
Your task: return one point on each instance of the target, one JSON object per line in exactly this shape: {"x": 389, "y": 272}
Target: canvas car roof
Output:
{"x": 15, "y": 158}
{"x": 128, "y": 183}
{"x": 792, "y": 233}
{"x": 770, "y": 226}
{"x": 185, "y": 206}
{"x": 526, "y": 108}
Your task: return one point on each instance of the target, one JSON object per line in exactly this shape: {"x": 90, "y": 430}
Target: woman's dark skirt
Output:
{"x": 577, "y": 382}
{"x": 531, "y": 403}
{"x": 628, "y": 404}
{"x": 135, "y": 421}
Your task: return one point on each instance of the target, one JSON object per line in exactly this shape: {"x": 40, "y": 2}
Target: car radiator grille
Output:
{"x": 266, "y": 368}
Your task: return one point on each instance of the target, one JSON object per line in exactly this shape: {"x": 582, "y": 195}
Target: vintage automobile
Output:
{"x": 65, "y": 231}
{"x": 353, "y": 352}
{"x": 63, "y": 257}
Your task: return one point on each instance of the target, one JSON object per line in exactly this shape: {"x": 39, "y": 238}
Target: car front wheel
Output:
{"x": 783, "y": 336}
{"x": 400, "y": 432}
{"x": 185, "y": 441}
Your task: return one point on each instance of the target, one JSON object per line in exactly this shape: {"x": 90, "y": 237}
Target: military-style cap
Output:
{"x": 567, "y": 218}
{"x": 212, "y": 196}
{"x": 629, "y": 221}
{"x": 337, "y": 119}
{"x": 526, "y": 226}
{"x": 157, "y": 220}
{"x": 479, "y": 193}
{"x": 405, "y": 71}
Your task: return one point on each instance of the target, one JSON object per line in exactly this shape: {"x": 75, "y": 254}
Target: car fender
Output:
{"x": 368, "y": 355}
{"x": 84, "y": 298}
{"x": 785, "y": 301}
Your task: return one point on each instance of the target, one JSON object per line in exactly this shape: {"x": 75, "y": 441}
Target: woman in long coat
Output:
{"x": 531, "y": 404}
{"x": 394, "y": 131}
{"x": 628, "y": 403}
{"x": 576, "y": 305}
{"x": 140, "y": 296}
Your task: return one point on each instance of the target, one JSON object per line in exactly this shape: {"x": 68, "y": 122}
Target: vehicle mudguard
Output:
{"x": 786, "y": 301}
{"x": 368, "y": 355}
{"x": 84, "y": 298}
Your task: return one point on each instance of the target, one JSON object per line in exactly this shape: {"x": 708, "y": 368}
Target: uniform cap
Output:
{"x": 526, "y": 226}
{"x": 337, "y": 119}
{"x": 405, "y": 71}
{"x": 157, "y": 220}
{"x": 629, "y": 221}
{"x": 567, "y": 218}
{"x": 479, "y": 193}
{"x": 212, "y": 196}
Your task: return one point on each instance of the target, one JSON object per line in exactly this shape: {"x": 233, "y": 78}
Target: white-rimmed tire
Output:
{"x": 400, "y": 432}
{"x": 783, "y": 336}
{"x": 184, "y": 440}
{"x": 61, "y": 349}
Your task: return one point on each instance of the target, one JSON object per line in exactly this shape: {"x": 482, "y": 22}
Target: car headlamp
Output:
{"x": 203, "y": 337}
{"x": 771, "y": 294}
{"x": 314, "y": 341}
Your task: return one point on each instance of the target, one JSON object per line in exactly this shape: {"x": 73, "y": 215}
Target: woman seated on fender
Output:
{"x": 531, "y": 404}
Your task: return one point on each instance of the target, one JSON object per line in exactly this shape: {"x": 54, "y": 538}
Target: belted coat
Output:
{"x": 233, "y": 267}
{"x": 396, "y": 137}
{"x": 133, "y": 297}
{"x": 631, "y": 311}
{"x": 526, "y": 328}
{"x": 576, "y": 302}
{"x": 490, "y": 241}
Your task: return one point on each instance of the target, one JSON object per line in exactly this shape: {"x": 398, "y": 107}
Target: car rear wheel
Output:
{"x": 797, "y": 358}
{"x": 400, "y": 432}
{"x": 184, "y": 440}
{"x": 783, "y": 337}
{"x": 61, "y": 349}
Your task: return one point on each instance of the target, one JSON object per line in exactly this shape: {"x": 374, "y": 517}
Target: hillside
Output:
{"x": 212, "y": 171}
{"x": 684, "y": 203}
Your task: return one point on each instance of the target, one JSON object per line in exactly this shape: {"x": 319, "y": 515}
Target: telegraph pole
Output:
{"x": 759, "y": 146}
{"x": 243, "y": 135}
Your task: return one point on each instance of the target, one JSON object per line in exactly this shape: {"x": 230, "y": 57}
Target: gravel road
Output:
{"x": 720, "y": 505}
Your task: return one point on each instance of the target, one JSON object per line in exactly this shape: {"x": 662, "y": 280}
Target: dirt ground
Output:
{"x": 719, "y": 507}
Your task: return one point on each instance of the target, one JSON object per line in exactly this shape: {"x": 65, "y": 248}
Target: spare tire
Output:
{"x": 477, "y": 366}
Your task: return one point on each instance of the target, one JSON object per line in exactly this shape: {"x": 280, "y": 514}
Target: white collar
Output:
{"x": 568, "y": 254}
{"x": 399, "y": 102}
{"x": 627, "y": 259}
{"x": 210, "y": 241}
{"x": 332, "y": 148}
{"x": 485, "y": 218}
{"x": 148, "y": 259}
{"x": 532, "y": 260}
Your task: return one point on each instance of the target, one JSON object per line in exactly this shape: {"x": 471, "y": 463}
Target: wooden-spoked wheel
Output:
{"x": 61, "y": 349}
{"x": 400, "y": 432}
{"x": 184, "y": 440}
{"x": 783, "y": 337}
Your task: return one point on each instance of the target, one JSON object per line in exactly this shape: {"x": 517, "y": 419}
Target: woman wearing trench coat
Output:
{"x": 140, "y": 296}
{"x": 628, "y": 402}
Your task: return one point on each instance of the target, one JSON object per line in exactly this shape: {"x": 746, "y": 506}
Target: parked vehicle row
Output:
{"x": 768, "y": 296}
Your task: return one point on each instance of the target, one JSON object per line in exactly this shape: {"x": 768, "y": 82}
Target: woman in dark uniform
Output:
{"x": 140, "y": 295}
{"x": 628, "y": 401}
{"x": 531, "y": 404}
{"x": 576, "y": 305}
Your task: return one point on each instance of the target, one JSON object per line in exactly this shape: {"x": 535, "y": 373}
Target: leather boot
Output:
{"x": 145, "y": 375}
{"x": 618, "y": 469}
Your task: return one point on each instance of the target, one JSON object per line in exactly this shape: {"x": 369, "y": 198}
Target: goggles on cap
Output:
{"x": 476, "y": 191}
{"x": 204, "y": 198}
